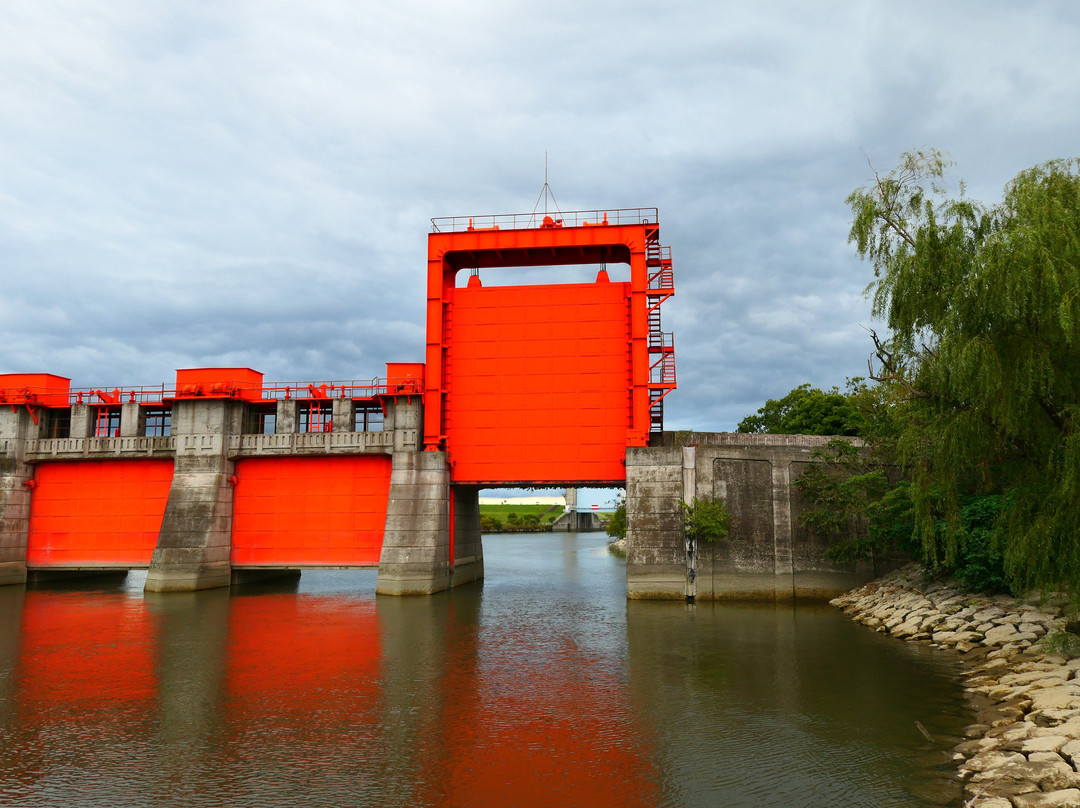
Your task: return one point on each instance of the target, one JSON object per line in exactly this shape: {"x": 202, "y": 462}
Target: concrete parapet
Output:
{"x": 98, "y": 448}
{"x": 745, "y": 440}
{"x": 309, "y": 443}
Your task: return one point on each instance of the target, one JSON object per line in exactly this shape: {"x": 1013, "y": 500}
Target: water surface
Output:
{"x": 541, "y": 686}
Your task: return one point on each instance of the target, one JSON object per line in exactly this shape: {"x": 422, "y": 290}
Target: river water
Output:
{"x": 542, "y": 686}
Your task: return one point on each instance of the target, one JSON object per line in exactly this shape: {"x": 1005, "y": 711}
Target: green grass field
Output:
{"x": 546, "y": 513}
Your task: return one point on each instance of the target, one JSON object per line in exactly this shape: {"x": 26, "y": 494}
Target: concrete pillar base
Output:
{"x": 656, "y": 585}
{"x": 415, "y": 557}
{"x": 467, "y": 571}
{"x": 746, "y": 586}
{"x": 243, "y": 577}
{"x": 406, "y": 579}
{"x": 180, "y": 580}
{"x": 12, "y": 572}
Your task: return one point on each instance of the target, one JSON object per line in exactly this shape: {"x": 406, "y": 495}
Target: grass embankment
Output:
{"x": 496, "y": 518}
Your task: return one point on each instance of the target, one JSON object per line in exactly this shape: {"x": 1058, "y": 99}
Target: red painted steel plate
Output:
{"x": 538, "y": 383}
{"x": 97, "y": 513}
{"x": 310, "y": 511}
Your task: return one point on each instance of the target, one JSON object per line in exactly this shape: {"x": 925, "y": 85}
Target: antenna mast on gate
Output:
{"x": 546, "y": 192}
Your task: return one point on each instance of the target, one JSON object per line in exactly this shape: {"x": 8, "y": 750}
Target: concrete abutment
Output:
{"x": 767, "y": 554}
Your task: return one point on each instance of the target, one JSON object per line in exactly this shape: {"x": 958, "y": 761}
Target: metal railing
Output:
{"x": 366, "y": 389}
{"x": 378, "y": 386}
{"x": 542, "y": 219}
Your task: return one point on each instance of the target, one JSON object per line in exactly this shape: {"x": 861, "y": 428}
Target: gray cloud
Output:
{"x": 220, "y": 183}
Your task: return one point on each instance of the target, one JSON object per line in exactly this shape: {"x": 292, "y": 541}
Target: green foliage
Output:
{"x": 513, "y": 519}
{"x": 980, "y": 564}
{"x": 983, "y": 358}
{"x": 616, "y": 523}
{"x": 489, "y": 524}
{"x": 531, "y": 520}
{"x": 705, "y": 518}
{"x": 807, "y": 410}
{"x": 853, "y": 504}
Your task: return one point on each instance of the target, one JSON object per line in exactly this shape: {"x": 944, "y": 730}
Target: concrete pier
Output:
{"x": 415, "y": 558}
{"x": 196, "y": 532}
{"x": 468, "y": 548}
{"x": 15, "y": 481}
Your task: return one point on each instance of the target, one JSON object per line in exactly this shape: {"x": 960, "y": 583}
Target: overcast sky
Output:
{"x": 192, "y": 183}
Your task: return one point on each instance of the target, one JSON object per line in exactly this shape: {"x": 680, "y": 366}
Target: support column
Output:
{"x": 415, "y": 557}
{"x": 82, "y": 421}
{"x": 343, "y": 417}
{"x": 14, "y": 495}
{"x": 286, "y": 417}
{"x": 468, "y": 548}
{"x": 14, "y": 519}
{"x": 195, "y": 542}
{"x": 129, "y": 420}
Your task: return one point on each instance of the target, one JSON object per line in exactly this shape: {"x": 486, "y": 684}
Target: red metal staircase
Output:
{"x": 661, "y": 286}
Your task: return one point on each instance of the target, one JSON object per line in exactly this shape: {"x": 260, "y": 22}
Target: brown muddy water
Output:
{"x": 542, "y": 686}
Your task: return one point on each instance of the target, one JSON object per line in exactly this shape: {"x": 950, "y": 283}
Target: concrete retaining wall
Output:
{"x": 766, "y": 555}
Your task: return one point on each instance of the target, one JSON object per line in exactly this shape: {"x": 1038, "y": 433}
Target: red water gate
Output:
{"x": 310, "y": 511}
{"x": 97, "y": 513}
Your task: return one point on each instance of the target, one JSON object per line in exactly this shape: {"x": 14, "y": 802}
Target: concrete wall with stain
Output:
{"x": 767, "y": 554}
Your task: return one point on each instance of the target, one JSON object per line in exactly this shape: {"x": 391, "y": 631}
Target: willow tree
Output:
{"x": 983, "y": 353}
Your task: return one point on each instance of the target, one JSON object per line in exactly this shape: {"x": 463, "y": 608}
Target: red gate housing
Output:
{"x": 535, "y": 385}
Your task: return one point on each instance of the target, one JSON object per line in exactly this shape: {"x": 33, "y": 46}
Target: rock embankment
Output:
{"x": 1024, "y": 749}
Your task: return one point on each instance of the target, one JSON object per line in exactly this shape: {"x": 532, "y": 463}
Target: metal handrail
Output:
{"x": 541, "y": 220}
{"x": 662, "y": 339}
{"x": 147, "y": 395}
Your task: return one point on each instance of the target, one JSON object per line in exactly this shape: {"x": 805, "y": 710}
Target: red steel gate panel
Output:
{"x": 97, "y": 513}
{"x": 538, "y": 381}
{"x": 310, "y": 511}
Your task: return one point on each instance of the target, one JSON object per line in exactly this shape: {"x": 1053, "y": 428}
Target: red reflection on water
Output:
{"x": 94, "y": 653}
{"x": 287, "y": 655}
{"x": 541, "y": 729}
{"x": 84, "y": 682}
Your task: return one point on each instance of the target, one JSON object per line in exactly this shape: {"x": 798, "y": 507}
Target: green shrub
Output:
{"x": 705, "y": 518}
{"x": 980, "y": 562}
{"x": 616, "y": 523}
